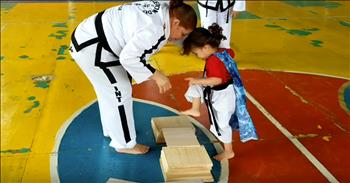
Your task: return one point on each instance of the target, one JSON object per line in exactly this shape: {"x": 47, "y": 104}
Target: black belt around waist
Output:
{"x": 207, "y": 99}
{"x": 223, "y": 86}
{"x": 85, "y": 44}
{"x": 219, "y": 6}
{"x": 101, "y": 34}
{"x": 101, "y": 37}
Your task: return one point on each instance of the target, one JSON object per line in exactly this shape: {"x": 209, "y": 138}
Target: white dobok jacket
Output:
{"x": 127, "y": 34}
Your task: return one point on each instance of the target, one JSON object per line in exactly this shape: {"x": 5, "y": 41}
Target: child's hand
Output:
{"x": 212, "y": 81}
{"x": 191, "y": 81}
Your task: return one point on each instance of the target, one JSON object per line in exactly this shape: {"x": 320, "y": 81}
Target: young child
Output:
{"x": 220, "y": 87}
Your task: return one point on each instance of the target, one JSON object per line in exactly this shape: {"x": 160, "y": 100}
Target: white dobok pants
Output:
{"x": 223, "y": 103}
{"x": 114, "y": 99}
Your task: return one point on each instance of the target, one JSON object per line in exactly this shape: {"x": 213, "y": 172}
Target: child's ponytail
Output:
{"x": 216, "y": 32}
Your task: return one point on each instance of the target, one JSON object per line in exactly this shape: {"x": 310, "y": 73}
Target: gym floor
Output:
{"x": 294, "y": 59}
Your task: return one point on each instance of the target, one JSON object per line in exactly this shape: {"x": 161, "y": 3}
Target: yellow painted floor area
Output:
{"x": 42, "y": 87}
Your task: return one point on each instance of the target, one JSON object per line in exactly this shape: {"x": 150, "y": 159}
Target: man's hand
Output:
{"x": 162, "y": 81}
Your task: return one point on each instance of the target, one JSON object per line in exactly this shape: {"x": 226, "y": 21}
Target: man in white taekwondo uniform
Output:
{"x": 112, "y": 46}
{"x": 220, "y": 12}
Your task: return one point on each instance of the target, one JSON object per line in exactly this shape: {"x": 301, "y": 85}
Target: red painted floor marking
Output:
{"x": 274, "y": 158}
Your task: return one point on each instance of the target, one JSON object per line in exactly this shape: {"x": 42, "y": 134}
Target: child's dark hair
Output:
{"x": 200, "y": 37}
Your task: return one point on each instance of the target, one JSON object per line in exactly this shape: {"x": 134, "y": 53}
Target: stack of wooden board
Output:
{"x": 186, "y": 163}
{"x": 183, "y": 158}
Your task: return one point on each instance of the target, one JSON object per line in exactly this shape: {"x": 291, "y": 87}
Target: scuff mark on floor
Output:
{"x": 16, "y": 151}
{"x": 42, "y": 81}
{"x": 301, "y": 136}
{"x": 327, "y": 138}
{"x": 296, "y": 94}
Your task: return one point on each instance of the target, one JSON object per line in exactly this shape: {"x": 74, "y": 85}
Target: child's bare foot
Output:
{"x": 224, "y": 156}
{"x": 191, "y": 112}
{"x": 138, "y": 149}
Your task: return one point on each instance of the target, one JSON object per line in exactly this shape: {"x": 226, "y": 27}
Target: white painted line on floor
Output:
{"x": 294, "y": 140}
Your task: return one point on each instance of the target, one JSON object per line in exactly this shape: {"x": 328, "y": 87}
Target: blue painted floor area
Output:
{"x": 85, "y": 156}
{"x": 347, "y": 97}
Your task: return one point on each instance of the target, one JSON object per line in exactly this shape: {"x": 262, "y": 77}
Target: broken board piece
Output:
{"x": 180, "y": 137}
{"x": 158, "y": 123}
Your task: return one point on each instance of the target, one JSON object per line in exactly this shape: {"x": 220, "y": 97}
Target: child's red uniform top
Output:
{"x": 216, "y": 68}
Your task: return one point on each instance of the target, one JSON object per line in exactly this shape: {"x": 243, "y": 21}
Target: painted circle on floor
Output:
{"x": 344, "y": 96}
{"x": 84, "y": 154}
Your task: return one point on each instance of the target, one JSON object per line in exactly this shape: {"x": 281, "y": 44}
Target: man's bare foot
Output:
{"x": 191, "y": 112}
{"x": 138, "y": 149}
{"x": 224, "y": 156}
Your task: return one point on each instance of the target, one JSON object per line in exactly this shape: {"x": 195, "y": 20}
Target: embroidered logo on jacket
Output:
{"x": 148, "y": 7}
